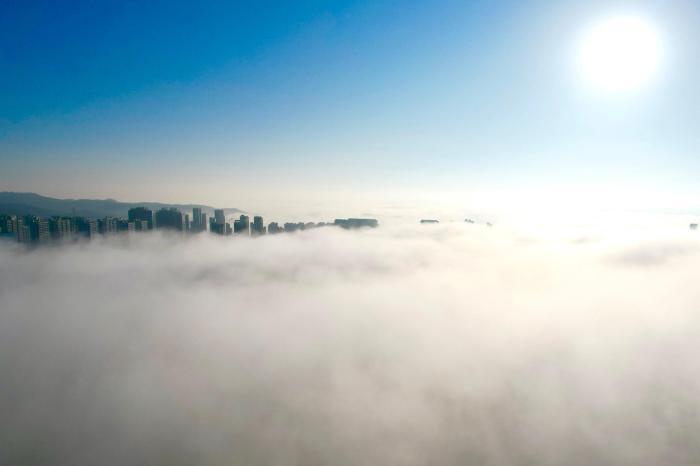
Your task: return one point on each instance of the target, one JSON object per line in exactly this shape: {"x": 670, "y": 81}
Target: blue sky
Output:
{"x": 253, "y": 103}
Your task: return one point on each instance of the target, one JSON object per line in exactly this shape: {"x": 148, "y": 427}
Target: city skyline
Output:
{"x": 33, "y": 229}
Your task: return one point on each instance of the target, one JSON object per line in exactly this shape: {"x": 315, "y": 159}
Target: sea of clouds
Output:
{"x": 414, "y": 345}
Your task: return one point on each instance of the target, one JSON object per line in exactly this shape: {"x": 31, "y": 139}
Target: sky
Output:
{"x": 261, "y": 104}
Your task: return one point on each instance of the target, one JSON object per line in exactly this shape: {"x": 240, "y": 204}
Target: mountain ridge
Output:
{"x": 29, "y": 203}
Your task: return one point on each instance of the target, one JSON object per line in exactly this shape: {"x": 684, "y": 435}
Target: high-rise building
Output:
{"x": 292, "y": 227}
{"x": 169, "y": 219}
{"x": 61, "y": 227}
{"x": 199, "y": 220}
{"x": 241, "y": 226}
{"x": 187, "y": 222}
{"x": 81, "y": 226}
{"x": 92, "y": 228}
{"x": 217, "y": 224}
{"x": 43, "y": 235}
{"x": 356, "y": 222}
{"x": 7, "y": 224}
{"x": 24, "y": 234}
{"x": 219, "y": 216}
{"x": 257, "y": 228}
{"x": 32, "y": 229}
{"x": 123, "y": 225}
{"x": 141, "y": 213}
{"x": 196, "y": 219}
{"x": 85, "y": 226}
{"x": 273, "y": 228}
{"x": 107, "y": 225}
{"x": 217, "y": 228}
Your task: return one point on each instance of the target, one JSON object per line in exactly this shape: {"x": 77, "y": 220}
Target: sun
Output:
{"x": 619, "y": 54}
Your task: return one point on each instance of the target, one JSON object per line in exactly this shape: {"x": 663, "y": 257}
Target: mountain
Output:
{"x": 42, "y": 206}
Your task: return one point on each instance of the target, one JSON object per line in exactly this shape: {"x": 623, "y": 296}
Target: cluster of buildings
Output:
{"x": 466, "y": 220}
{"x": 34, "y": 229}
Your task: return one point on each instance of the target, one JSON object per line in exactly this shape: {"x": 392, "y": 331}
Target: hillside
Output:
{"x": 35, "y": 204}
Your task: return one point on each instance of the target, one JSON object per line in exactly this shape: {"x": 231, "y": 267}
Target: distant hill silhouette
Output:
{"x": 42, "y": 206}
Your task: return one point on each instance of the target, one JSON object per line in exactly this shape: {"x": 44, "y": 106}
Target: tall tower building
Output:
{"x": 169, "y": 219}
{"x": 61, "y": 227}
{"x": 241, "y": 226}
{"x": 43, "y": 235}
{"x": 257, "y": 228}
{"x": 273, "y": 228}
{"x": 92, "y": 228}
{"x": 219, "y": 216}
{"x": 107, "y": 225}
{"x": 7, "y": 224}
{"x": 24, "y": 234}
{"x": 141, "y": 213}
{"x": 197, "y": 219}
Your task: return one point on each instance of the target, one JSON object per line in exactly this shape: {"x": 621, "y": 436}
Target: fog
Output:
{"x": 422, "y": 345}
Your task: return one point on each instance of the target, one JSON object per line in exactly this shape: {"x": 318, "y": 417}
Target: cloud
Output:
{"x": 444, "y": 345}
{"x": 655, "y": 253}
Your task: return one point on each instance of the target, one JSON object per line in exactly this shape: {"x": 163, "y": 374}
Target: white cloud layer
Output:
{"x": 433, "y": 345}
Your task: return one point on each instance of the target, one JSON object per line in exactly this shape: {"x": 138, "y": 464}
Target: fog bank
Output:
{"x": 423, "y": 345}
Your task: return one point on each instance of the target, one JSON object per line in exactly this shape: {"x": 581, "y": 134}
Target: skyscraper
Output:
{"x": 169, "y": 219}
{"x": 219, "y": 216}
{"x": 217, "y": 228}
{"x": 199, "y": 220}
{"x": 42, "y": 230}
{"x": 241, "y": 226}
{"x": 141, "y": 213}
{"x": 32, "y": 229}
{"x": 257, "y": 228}
{"x": 217, "y": 224}
{"x": 292, "y": 227}
{"x": 273, "y": 228}
{"x": 92, "y": 228}
{"x": 348, "y": 223}
{"x": 81, "y": 226}
{"x": 8, "y": 224}
{"x": 23, "y": 232}
{"x": 196, "y": 219}
{"x": 61, "y": 227}
{"x": 107, "y": 225}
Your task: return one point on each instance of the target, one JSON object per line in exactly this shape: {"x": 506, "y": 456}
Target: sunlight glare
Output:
{"x": 619, "y": 54}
